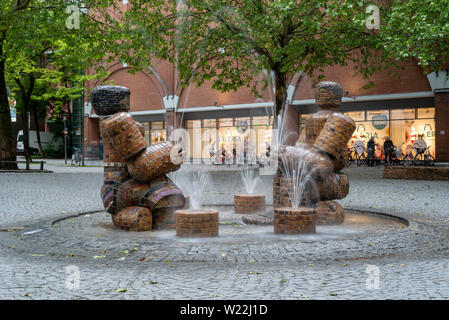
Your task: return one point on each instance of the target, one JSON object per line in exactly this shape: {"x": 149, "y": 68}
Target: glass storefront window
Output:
{"x": 302, "y": 121}
{"x": 376, "y": 115}
{"x": 210, "y": 123}
{"x": 230, "y": 141}
{"x": 157, "y": 125}
{"x": 260, "y": 121}
{"x": 193, "y": 124}
{"x": 226, "y": 122}
{"x": 402, "y": 114}
{"x": 146, "y": 126}
{"x": 357, "y": 115}
{"x": 412, "y": 130}
{"x": 157, "y": 132}
{"x": 426, "y": 113}
{"x": 404, "y": 128}
{"x": 194, "y": 148}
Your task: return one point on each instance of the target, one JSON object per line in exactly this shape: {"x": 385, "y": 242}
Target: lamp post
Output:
{"x": 64, "y": 118}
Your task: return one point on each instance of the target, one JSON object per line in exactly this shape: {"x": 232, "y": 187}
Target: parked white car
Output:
{"x": 46, "y": 139}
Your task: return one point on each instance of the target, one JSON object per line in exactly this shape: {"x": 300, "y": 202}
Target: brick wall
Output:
{"x": 416, "y": 173}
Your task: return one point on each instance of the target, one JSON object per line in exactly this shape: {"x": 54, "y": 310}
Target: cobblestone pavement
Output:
{"x": 39, "y": 259}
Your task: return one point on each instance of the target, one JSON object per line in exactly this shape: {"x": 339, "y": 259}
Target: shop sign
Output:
{"x": 242, "y": 126}
{"x": 380, "y": 121}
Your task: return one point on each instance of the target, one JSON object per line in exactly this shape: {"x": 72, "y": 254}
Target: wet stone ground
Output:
{"x": 369, "y": 257}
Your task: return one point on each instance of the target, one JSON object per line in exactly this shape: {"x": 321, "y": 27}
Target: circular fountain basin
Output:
{"x": 232, "y": 231}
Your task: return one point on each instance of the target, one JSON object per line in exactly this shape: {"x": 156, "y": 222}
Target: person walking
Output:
{"x": 388, "y": 149}
{"x": 371, "y": 145}
{"x": 234, "y": 151}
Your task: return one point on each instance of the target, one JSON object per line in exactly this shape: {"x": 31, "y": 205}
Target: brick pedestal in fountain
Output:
{"x": 133, "y": 219}
{"x": 329, "y": 213}
{"x": 294, "y": 221}
{"x": 196, "y": 223}
{"x": 249, "y": 203}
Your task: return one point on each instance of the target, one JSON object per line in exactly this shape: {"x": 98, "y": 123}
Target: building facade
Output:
{"x": 405, "y": 105}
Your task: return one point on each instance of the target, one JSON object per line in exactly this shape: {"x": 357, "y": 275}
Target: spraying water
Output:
{"x": 193, "y": 187}
{"x": 250, "y": 179}
{"x": 198, "y": 184}
{"x": 296, "y": 167}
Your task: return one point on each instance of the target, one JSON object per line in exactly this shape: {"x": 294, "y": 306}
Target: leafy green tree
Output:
{"x": 231, "y": 42}
{"x": 417, "y": 29}
{"x": 10, "y": 11}
{"x": 46, "y": 42}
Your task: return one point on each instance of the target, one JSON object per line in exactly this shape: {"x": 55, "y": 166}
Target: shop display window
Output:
{"x": 225, "y": 122}
{"x": 260, "y": 121}
{"x": 157, "y": 132}
{"x": 146, "y": 126}
{"x": 403, "y": 126}
{"x": 193, "y": 124}
{"x": 357, "y": 115}
{"x": 230, "y": 141}
{"x": 209, "y": 123}
{"x": 426, "y": 113}
{"x": 402, "y": 114}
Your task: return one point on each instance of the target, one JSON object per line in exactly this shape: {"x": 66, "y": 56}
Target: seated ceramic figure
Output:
{"x": 323, "y": 144}
{"x": 136, "y": 191}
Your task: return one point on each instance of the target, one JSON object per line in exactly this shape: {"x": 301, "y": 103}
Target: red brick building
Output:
{"x": 402, "y": 106}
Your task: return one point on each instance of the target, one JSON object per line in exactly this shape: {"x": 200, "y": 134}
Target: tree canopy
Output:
{"x": 231, "y": 42}
{"x": 46, "y": 42}
{"x": 418, "y": 29}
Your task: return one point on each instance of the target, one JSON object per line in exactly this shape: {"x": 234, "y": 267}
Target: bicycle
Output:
{"x": 407, "y": 159}
{"x": 360, "y": 158}
{"x": 359, "y": 151}
{"x": 423, "y": 157}
{"x": 350, "y": 158}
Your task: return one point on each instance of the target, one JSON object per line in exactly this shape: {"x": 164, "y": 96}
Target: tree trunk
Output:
{"x": 26, "y": 133}
{"x": 8, "y": 141}
{"x": 38, "y": 135}
{"x": 25, "y": 97}
{"x": 280, "y": 97}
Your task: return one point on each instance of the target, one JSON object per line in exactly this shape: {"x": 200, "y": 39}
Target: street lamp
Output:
{"x": 64, "y": 118}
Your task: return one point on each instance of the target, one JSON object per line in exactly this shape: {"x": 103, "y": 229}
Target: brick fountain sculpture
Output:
{"x": 136, "y": 191}
{"x": 320, "y": 153}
